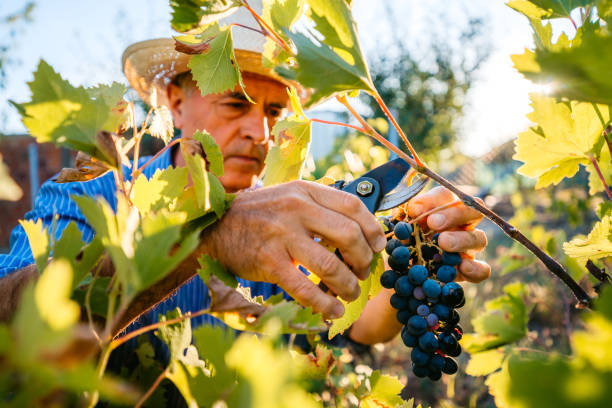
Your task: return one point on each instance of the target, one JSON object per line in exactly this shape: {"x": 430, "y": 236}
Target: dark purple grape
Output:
{"x": 419, "y": 357}
{"x": 403, "y": 315}
{"x": 391, "y": 245}
{"x": 447, "y": 342}
{"x": 452, "y": 294}
{"x": 417, "y": 274}
{"x": 431, "y": 288}
{"x": 414, "y": 304}
{"x": 437, "y": 362}
{"x": 399, "y": 302}
{"x": 437, "y": 259}
{"x": 453, "y": 319}
{"x": 432, "y": 319}
{"x": 435, "y": 238}
{"x": 416, "y": 325}
{"x": 423, "y": 310}
{"x": 388, "y": 279}
{"x": 455, "y": 352}
{"x": 403, "y": 287}
{"x": 428, "y": 252}
{"x": 450, "y": 366}
{"x": 461, "y": 303}
{"x": 420, "y": 371}
{"x": 434, "y": 375}
{"x": 446, "y": 273}
{"x": 428, "y": 342}
{"x": 401, "y": 255}
{"x": 418, "y": 293}
{"x": 408, "y": 339}
{"x": 442, "y": 311}
{"x": 451, "y": 258}
{"x": 402, "y": 230}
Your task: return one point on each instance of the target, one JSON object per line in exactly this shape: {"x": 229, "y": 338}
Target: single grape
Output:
{"x": 422, "y": 310}
{"x": 461, "y": 303}
{"x": 428, "y": 342}
{"x": 458, "y": 330}
{"x": 399, "y": 302}
{"x": 435, "y": 238}
{"x": 388, "y": 279}
{"x": 402, "y": 255}
{"x": 434, "y": 375}
{"x": 432, "y": 319}
{"x": 402, "y": 230}
{"x": 393, "y": 264}
{"x": 391, "y": 245}
{"x": 453, "y": 319}
{"x": 418, "y": 293}
{"x": 417, "y": 325}
{"x": 431, "y": 288}
{"x": 403, "y": 315}
{"x": 403, "y": 287}
{"x": 447, "y": 342}
{"x": 408, "y": 339}
{"x": 419, "y": 357}
{"x": 437, "y": 362}
{"x": 413, "y": 304}
{"x": 437, "y": 259}
{"x": 420, "y": 371}
{"x": 387, "y": 222}
{"x": 446, "y": 273}
{"x": 452, "y": 294}
{"x": 451, "y": 258}
{"x": 442, "y": 311}
{"x": 417, "y": 274}
{"x": 455, "y": 352}
{"x": 450, "y": 366}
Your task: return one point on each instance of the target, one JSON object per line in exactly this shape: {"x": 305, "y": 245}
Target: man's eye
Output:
{"x": 235, "y": 105}
{"x": 275, "y": 113}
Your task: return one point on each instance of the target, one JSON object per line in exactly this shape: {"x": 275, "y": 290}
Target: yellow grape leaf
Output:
{"x": 286, "y": 158}
{"x": 161, "y": 125}
{"x": 9, "y": 190}
{"x": 485, "y": 362}
{"x": 595, "y": 246}
{"x": 38, "y": 238}
{"x": 369, "y": 288}
{"x": 561, "y": 141}
{"x": 385, "y": 391}
{"x": 52, "y": 295}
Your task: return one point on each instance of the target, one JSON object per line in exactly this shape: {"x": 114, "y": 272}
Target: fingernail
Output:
{"x": 436, "y": 221}
{"x": 338, "y": 311}
{"x": 380, "y": 244}
{"x": 467, "y": 268}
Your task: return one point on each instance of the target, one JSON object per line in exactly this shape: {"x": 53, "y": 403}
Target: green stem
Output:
{"x": 266, "y": 28}
{"x": 607, "y": 128}
{"x": 328, "y": 122}
{"x": 151, "y": 389}
{"x": 166, "y": 147}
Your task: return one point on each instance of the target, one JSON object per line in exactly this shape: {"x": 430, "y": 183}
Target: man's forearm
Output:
{"x": 11, "y": 287}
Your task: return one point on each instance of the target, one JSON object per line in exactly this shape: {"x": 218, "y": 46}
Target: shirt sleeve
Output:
{"x": 53, "y": 202}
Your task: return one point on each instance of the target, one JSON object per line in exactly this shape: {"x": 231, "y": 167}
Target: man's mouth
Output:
{"x": 245, "y": 159}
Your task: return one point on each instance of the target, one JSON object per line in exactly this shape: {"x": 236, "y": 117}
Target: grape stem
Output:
{"x": 601, "y": 177}
{"x": 151, "y": 389}
{"x": 551, "y": 264}
{"x": 266, "y": 28}
{"x": 607, "y": 128}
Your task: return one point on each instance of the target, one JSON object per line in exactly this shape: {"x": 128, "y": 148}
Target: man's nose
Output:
{"x": 255, "y": 125}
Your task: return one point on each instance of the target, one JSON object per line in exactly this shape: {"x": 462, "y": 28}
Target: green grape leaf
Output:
{"x": 369, "y": 289}
{"x": 545, "y": 9}
{"x": 292, "y": 138}
{"x": 595, "y": 246}
{"x": 604, "y": 9}
{"x": 98, "y": 297}
{"x": 336, "y": 63}
{"x": 269, "y": 374}
{"x": 209, "y": 191}
{"x": 214, "y": 157}
{"x": 38, "y": 238}
{"x": 317, "y": 365}
{"x": 176, "y": 335}
{"x": 280, "y": 15}
{"x": 485, "y": 362}
{"x": 70, "y": 243}
{"x": 209, "y": 266}
{"x": 159, "y": 192}
{"x": 504, "y": 321}
{"x": 51, "y": 295}
{"x": 162, "y": 126}
{"x": 216, "y": 70}
{"x": 385, "y": 391}
{"x": 74, "y": 117}
{"x": 562, "y": 141}
{"x": 139, "y": 247}
{"x": 604, "y": 209}
{"x": 187, "y": 14}
{"x": 605, "y": 166}
{"x": 9, "y": 190}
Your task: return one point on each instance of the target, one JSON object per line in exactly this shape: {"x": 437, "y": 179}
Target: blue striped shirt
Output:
{"x": 54, "y": 200}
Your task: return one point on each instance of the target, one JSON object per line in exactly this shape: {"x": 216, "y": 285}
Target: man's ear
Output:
{"x": 175, "y": 98}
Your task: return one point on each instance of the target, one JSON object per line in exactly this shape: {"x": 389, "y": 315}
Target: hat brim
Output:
{"x": 150, "y": 66}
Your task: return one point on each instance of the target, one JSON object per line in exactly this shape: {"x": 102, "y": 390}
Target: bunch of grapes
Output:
{"x": 425, "y": 297}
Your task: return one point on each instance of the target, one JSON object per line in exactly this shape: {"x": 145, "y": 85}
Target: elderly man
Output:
{"x": 267, "y": 230}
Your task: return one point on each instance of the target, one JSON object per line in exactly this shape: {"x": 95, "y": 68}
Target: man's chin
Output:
{"x": 234, "y": 182}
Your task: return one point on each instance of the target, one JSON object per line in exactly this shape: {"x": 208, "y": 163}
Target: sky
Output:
{"x": 84, "y": 40}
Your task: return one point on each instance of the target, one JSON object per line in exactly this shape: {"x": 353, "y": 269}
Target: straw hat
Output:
{"x": 150, "y": 65}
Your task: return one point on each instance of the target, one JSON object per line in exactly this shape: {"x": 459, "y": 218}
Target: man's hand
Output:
{"x": 457, "y": 234}
{"x": 267, "y": 232}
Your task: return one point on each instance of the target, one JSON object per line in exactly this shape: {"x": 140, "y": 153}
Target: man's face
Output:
{"x": 240, "y": 128}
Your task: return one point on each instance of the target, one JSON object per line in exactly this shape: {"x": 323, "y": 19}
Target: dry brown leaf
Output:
{"x": 87, "y": 168}
{"x": 226, "y": 299}
{"x": 192, "y": 49}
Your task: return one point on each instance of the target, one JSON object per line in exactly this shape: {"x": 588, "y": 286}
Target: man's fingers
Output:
{"x": 340, "y": 232}
{"x": 473, "y": 270}
{"x": 299, "y": 287}
{"x": 352, "y": 207}
{"x": 456, "y": 216}
{"x": 431, "y": 199}
{"x": 327, "y": 266}
{"x": 463, "y": 241}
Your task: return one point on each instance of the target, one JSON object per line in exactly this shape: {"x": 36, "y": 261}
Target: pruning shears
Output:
{"x": 384, "y": 187}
